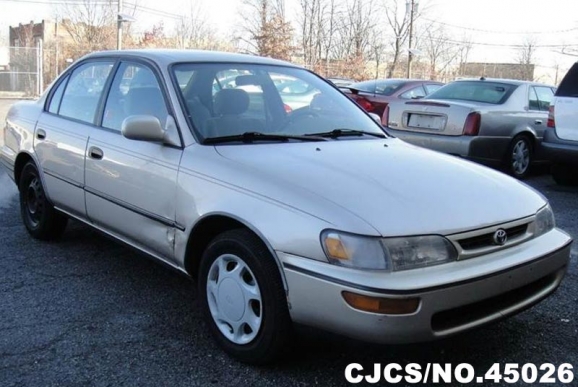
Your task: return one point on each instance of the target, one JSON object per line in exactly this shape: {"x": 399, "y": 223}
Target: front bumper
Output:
{"x": 483, "y": 149}
{"x": 454, "y": 297}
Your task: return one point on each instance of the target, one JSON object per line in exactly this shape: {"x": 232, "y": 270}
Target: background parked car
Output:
{"x": 374, "y": 95}
{"x": 561, "y": 141}
{"x": 492, "y": 121}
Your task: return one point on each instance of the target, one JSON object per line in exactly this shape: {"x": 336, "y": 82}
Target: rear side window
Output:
{"x": 83, "y": 91}
{"x": 477, "y": 91}
{"x": 545, "y": 95}
{"x": 416, "y": 92}
{"x": 569, "y": 85}
{"x": 430, "y": 87}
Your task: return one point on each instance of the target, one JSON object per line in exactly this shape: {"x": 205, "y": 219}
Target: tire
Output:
{"x": 246, "y": 309}
{"x": 40, "y": 218}
{"x": 564, "y": 174}
{"x": 519, "y": 156}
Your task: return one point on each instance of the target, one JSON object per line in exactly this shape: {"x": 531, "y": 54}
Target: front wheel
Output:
{"x": 243, "y": 298}
{"x": 41, "y": 219}
{"x": 519, "y": 157}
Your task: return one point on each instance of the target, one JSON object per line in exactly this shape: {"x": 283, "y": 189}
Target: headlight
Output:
{"x": 421, "y": 251}
{"x": 391, "y": 254}
{"x": 353, "y": 250}
{"x": 544, "y": 221}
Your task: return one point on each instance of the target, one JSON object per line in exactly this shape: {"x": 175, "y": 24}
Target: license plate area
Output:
{"x": 426, "y": 121}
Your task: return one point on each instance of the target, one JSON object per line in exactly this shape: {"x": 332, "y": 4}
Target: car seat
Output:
{"x": 229, "y": 106}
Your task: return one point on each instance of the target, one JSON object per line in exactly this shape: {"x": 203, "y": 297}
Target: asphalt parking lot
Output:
{"x": 86, "y": 311}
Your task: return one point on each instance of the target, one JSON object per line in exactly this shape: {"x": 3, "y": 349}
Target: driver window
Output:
{"x": 135, "y": 91}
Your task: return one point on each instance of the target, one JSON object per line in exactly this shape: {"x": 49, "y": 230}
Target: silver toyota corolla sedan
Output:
{"x": 313, "y": 216}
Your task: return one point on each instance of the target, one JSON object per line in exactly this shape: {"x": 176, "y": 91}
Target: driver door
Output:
{"x": 131, "y": 185}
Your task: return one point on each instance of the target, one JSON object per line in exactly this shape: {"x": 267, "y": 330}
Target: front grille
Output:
{"x": 486, "y": 240}
{"x": 479, "y": 311}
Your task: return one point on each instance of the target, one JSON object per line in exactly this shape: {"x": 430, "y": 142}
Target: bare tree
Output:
{"x": 355, "y": 28}
{"x": 526, "y": 57}
{"x": 439, "y": 50}
{"x": 317, "y": 21}
{"x": 331, "y": 12}
{"x": 378, "y": 49}
{"x": 193, "y": 30}
{"x": 310, "y": 22}
{"x": 398, "y": 21}
{"x": 91, "y": 25}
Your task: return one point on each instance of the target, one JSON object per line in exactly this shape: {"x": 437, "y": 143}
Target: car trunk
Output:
{"x": 439, "y": 117}
{"x": 367, "y": 100}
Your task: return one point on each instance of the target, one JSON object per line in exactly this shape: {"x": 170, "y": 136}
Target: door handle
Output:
{"x": 40, "y": 134}
{"x": 538, "y": 122}
{"x": 95, "y": 153}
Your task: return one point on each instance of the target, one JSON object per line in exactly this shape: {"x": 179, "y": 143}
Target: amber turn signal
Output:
{"x": 381, "y": 305}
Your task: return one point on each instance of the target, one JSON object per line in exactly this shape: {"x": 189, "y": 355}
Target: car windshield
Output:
{"x": 477, "y": 91}
{"x": 385, "y": 87}
{"x": 249, "y": 102}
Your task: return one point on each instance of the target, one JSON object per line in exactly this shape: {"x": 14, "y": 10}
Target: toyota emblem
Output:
{"x": 500, "y": 237}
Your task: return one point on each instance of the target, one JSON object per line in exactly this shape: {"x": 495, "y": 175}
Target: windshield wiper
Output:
{"x": 249, "y": 137}
{"x": 335, "y": 133}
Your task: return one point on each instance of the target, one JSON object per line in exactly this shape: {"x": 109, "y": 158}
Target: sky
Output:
{"x": 492, "y": 25}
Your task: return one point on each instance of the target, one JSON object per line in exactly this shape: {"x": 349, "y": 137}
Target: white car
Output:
{"x": 314, "y": 216}
{"x": 560, "y": 143}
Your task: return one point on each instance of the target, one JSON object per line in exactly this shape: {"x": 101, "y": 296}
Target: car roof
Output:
{"x": 165, "y": 57}
{"x": 516, "y": 82}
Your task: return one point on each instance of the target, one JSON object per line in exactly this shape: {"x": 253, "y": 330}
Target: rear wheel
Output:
{"x": 564, "y": 174}
{"x": 520, "y": 156}
{"x": 243, "y": 298}
{"x": 39, "y": 216}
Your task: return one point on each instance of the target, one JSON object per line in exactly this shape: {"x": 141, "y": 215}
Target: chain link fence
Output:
{"x": 21, "y": 72}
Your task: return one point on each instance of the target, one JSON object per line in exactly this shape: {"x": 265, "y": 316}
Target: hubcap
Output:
{"x": 34, "y": 200}
{"x": 234, "y": 299}
{"x": 520, "y": 157}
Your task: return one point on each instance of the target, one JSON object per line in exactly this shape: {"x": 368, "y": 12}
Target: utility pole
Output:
{"x": 119, "y": 26}
{"x": 411, "y": 7}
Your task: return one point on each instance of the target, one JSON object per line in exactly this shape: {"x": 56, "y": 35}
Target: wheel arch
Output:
{"x": 207, "y": 228}
{"x": 21, "y": 160}
{"x": 528, "y": 132}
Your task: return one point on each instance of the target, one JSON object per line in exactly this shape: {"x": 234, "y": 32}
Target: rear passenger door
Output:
{"x": 63, "y": 130}
{"x": 131, "y": 185}
{"x": 539, "y": 101}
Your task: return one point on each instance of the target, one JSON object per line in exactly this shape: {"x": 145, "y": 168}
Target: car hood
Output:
{"x": 395, "y": 187}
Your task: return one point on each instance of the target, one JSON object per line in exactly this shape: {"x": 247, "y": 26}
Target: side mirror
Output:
{"x": 143, "y": 128}
{"x": 375, "y": 117}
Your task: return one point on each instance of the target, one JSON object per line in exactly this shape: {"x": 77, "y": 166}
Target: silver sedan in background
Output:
{"x": 492, "y": 121}
{"x": 311, "y": 215}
